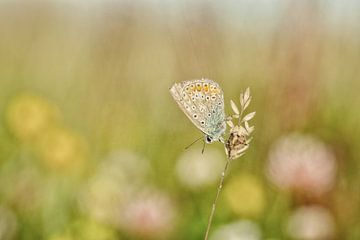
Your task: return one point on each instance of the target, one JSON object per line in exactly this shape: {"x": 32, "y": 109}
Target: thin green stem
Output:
{"x": 216, "y": 199}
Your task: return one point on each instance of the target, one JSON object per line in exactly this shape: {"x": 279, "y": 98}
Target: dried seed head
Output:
{"x": 236, "y": 144}
{"x": 239, "y": 139}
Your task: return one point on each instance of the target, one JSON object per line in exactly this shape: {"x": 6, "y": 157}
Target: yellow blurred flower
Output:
{"x": 61, "y": 149}
{"x": 28, "y": 115}
{"x": 91, "y": 230}
{"x": 245, "y": 195}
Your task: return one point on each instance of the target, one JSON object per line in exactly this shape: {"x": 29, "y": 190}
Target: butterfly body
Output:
{"x": 202, "y": 101}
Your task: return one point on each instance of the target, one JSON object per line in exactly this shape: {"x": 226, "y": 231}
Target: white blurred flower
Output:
{"x": 125, "y": 166}
{"x": 8, "y": 224}
{"x": 195, "y": 170}
{"x": 240, "y": 230}
{"x": 311, "y": 223}
{"x": 151, "y": 215}
{"x": 302, "y": 163}
{"x": 118, "y": 177}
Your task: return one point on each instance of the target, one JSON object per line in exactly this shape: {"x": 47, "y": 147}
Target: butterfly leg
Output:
{"x": 203, "y": 149}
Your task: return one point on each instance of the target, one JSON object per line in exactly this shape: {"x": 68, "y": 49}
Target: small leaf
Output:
{"x": 242, "y": 131}
{"x": 234, "y": 107}
{"x": 230, "y": 118}
{"x": 230, "y": 123}
{"x": 248, "y": 117}
{"x": 247, "y": 94}
{"x": 247, "y": 103}
{"x": 248, "y": 128}
{"x": 242, "y": 100}
{"x": 244, "y": 149}
{"x": 249, "y": 140}
{"x": 246, "y": 125}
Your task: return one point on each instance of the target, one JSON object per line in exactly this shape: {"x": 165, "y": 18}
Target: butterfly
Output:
{"x": 202, "y": 101}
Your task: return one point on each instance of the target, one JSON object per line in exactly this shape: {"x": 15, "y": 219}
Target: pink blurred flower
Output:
{"x": 151, "y": 215}
{"x": 119, "y": 177}
{"x": 301, "y": 163}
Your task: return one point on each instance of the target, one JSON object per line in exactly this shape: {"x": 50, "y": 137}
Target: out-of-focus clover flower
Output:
{"x": 60, "y": 148}
{"x": 240, "y": 230}
{"x": 8, "y": 224}
{"x": 196, "y": 170}
{"x": 245, "y": 195}
{"x": 311, "y": 223}
{"x": 151, "y": 215}
{"x": 28, "y": 115}
{"x": 126, "y": 167}
{"x": 103, "y": 199}
{"x": 302, "y": 163}
{"x": 118, "y": 178}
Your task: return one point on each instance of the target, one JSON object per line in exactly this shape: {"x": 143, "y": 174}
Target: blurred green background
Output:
{"x": 92, "y": 143}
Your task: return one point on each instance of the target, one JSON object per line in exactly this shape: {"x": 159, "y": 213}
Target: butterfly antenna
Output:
{"x": 193, "y": 143}
{"x": 203, "y": 149}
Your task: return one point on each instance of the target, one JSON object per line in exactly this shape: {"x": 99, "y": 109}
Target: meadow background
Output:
{"x": 92, "y": 144}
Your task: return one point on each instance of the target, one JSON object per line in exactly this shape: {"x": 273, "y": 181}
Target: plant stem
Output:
{"x": 216, "y": 199}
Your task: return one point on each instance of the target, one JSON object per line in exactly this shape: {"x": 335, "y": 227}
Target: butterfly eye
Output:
{"x": 208, "y": 139}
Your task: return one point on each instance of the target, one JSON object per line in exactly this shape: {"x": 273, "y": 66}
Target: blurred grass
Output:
{"x": 107, "y": 68}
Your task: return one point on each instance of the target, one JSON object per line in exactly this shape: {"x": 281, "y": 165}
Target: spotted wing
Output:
{"x": 203, "y": 103}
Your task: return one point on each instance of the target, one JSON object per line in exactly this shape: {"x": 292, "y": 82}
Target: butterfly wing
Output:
{"x": 202, "y": 101}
